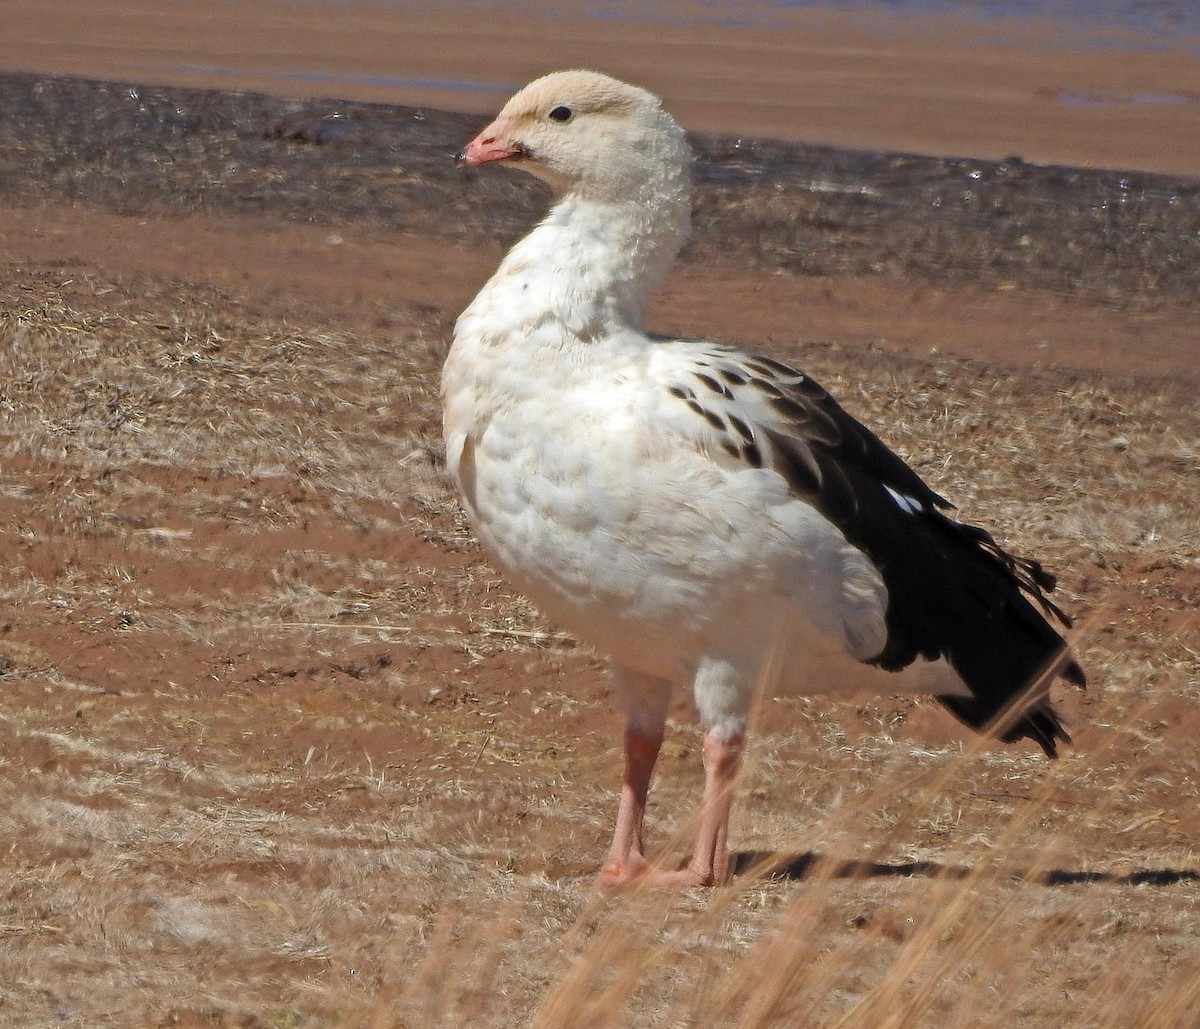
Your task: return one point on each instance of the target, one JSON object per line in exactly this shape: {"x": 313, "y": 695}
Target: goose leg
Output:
{"x": 709, "y": 865}
{"x": 720, "y": 695}
{"x": 627, "y": 855}
{"x": 710, "y": 860}
{"x": 644, "y": 699}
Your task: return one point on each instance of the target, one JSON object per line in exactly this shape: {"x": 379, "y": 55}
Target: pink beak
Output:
{"x": 492, "y": 144}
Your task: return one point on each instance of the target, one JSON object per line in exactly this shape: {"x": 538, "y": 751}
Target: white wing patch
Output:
{"x": 906, "y": 503}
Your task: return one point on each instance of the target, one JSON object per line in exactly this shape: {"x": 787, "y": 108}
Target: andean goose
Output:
{"x": 689, "y": 508}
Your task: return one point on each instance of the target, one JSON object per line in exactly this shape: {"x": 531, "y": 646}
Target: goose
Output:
{"x": 708, "y": 518}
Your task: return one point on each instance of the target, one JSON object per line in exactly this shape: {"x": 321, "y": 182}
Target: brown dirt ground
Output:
{"x": 279, "y": 748}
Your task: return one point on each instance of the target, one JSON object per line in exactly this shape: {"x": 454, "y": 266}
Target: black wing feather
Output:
{"x": 954, "y": 592}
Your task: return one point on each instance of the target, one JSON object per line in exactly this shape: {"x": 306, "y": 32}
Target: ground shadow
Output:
{"x": 810, "y": 865}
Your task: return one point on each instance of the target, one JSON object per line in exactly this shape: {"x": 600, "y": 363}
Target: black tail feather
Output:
{"x": 954, "y": 593}
{"x": 1024, "y": 718}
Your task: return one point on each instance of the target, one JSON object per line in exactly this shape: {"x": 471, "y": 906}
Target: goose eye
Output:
{"x": 561, "y": 113}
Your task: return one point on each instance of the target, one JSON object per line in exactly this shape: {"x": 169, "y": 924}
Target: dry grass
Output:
{"x": 279, "y": 749}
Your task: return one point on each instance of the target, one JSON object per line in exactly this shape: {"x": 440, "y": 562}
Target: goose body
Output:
{"x": 692, "y": 510}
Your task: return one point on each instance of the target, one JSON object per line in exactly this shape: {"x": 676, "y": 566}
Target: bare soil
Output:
{"x": 279, "y": 748}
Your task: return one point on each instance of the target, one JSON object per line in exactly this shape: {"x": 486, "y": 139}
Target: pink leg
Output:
{"x": 710, "y": 860}
{"x": 627, "y": 855}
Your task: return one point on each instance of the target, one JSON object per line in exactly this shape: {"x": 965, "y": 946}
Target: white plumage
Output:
{"x": 688, "y": 508}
